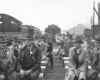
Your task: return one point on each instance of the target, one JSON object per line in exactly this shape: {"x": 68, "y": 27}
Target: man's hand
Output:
{"x": 47, "y": 53}
{"x": 99, "y": 75}
{"x": 1, "y": 76}
{"x": 28, "y": 72}
{"x": 22, "y": 72}
{"x": 77, "y": 72}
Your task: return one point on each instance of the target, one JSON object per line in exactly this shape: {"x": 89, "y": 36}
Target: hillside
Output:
{"x": 79, "y": 29}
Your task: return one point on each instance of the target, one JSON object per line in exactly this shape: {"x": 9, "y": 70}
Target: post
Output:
{"x": 91, "y": 26}
{"x": 99, "y": 13}
{"x": 93, "y": 13}
{"x": 93, "y": 19}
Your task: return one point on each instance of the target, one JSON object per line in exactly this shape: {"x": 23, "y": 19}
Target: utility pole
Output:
{"x": 2, "y": 26}
{"x": 93, "y": 19}
{"x": 93, "y": 13}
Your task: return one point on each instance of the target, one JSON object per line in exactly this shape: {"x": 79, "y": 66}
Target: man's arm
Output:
{"x": 72, "y": 66}
{"x": 20, "y": 57}
{"x": 44, "y": 49}
{"x": 86, "y": 60}
{"x": 38, "y": 59}
{"x": 51, "y": 47}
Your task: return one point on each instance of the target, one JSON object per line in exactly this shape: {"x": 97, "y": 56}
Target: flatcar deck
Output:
{"x": 58, "y": 73}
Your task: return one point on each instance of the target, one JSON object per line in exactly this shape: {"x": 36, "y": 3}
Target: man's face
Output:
{"x": 29, "y": 42}
{"x": 77, "y": 45}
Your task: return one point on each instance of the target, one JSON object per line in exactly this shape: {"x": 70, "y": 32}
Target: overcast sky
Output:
{"x": 41, "y": 13}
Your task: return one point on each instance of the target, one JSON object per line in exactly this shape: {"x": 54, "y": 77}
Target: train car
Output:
{"x": 95, "y": 30}
{"x": 10, "y": 26}
{"x": 87, "y": 33}
{"x": 31, "y": 30}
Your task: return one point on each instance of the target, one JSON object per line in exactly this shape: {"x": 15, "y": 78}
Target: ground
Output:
{"x": 58, "y": 73}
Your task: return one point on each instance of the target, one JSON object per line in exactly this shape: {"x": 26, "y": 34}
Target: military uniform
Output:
{"x": 43, "y": 49}
{"x": 6, "y": 64}
{"x": 95, "y": 64}
{"x": 67, "y": 46}
{"x": 29, "y": 59}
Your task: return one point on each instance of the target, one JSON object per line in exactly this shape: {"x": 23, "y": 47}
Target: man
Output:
{"x": 16, "y": 46}
{"x": 58, "y": 41}
{"x": 94, "y": 72}
{"x": 43, "y": 48}
{"x": 9, "y": 43}
{"x": 67, "y": 45}
{"x": 68, "y": 34}
{"x": 84, "y": 45}
{"x": 61, "y": 50}
{"x": 49, "y": 52}
{"x": 79, "y": 61}
{"x": 29, "y": 61}
{"x": 6, "y": 69}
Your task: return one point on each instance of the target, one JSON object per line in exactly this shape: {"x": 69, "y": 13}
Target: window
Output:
{"x": 0, "y": 22}
{"x": 12, "y": 22}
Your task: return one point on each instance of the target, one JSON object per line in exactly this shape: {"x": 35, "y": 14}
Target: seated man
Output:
{"x": 58, "y": 41}
{"x": 61, "y": 50}
{"x": 16, "y": 46}
{"x": 94, "y": 72}
{"x": 79, "y": 61}
{"x": 67, "y": 45}
{"x": 6, "y": 65}
{"x": 49, "y": 52}
{"x": 29, "y": 61}
{"x": 43, "y": 48}
{"x": 84, "y": 45}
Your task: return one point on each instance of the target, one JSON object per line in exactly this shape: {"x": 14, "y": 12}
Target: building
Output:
{"x": 53, "y": 29}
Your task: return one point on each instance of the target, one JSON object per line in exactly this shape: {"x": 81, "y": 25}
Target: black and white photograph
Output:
{"x": 49, "y": 39}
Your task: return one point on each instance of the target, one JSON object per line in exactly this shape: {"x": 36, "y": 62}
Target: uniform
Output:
{"x": 6, "y": 64}
{"x": 43, "y": 49}
{"x": 67, "y": 46}
{"x": 94, "y": 71}
{"x": 30, "y": 60}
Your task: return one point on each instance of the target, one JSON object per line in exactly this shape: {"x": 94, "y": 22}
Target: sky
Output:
{"x": 41, "y": 13}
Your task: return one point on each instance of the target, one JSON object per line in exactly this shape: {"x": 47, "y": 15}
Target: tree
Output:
{"x": 53, "y": 29}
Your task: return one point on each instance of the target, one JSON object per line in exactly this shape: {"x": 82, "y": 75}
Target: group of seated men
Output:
{"x": 83, "y": 66}
{"x": 22, "y": 59}
{"x": 66, "y": 44}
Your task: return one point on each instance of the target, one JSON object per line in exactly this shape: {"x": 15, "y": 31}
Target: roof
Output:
{"x": 12, "y": 17}
{"x": 30, "y": 26}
